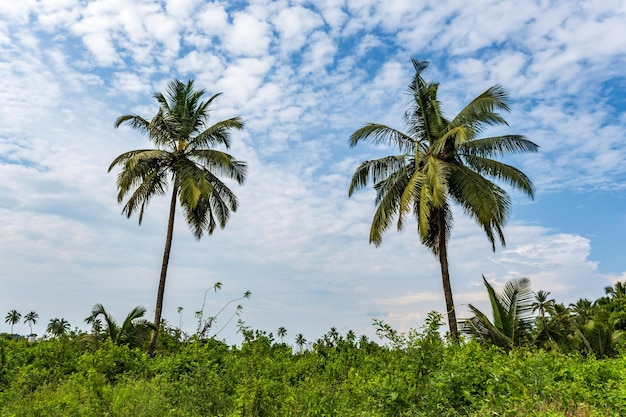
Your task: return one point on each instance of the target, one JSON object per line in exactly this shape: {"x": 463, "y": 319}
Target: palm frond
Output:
{"x": 220, "y": 163}
{"x": 381, "y": 134}
{"x": 452, "y": 139}
{"x": 482, "y": 110}
{"x": 135, "y": 122}
{"x": 511, "y": 315}
{"x": 480, "y": 199}
{"x": 497, "y": 146}
{"x": 388, "y": 194}
{"x": 480, "y": 327}
{"x": 502, "y": 172}
{"x": 378, "y": 170}
{"x": 111, "y": 325}
{"x": 206, "y": 200}
{"x": 153, "y": 184}
{"x": 217, "y": 134}
{"x": 131, "y": 159}
{"x": 135, "y": 314}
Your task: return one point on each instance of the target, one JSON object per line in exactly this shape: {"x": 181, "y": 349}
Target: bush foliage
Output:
{"x": 417, "y": 374}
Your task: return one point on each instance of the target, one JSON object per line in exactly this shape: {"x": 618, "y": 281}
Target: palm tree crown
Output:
{"x": 58, "y": 327}
{"x": 31, "y": 318}
{"x": 441, "y": 162}
{"x": 184, "y": 156}
{"x": 12, "y": 317}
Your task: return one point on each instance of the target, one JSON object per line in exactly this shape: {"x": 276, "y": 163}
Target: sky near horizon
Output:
{"x": 303, "y": 75}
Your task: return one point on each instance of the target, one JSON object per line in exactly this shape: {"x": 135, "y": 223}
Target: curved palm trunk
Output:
{"x": 445, "y": 277}
{"x": 166, "y": 260}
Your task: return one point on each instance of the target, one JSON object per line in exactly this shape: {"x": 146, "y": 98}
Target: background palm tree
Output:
{"x": 133, "y": 331}
{"x": 58, "y": 327}
{"x": 31, "y": 318}
{"x": 183, "y": 157}
{"x": 12, "y": 317}
{"x": 557, "y": 329}
{"x": 179, "y": 310}
{"x": 442, "y": 162}
{"x": 511, "y": 310}
{"x": 300, "y": 341}
{"x": 616, "y": 291}
{"x": 281, "y": 332}
{"x": 542, "y": 304}
{"x": 582, "y": 310}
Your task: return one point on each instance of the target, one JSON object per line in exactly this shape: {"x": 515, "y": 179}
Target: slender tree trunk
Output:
{"x": 445, "y": 277}
{"x": 166, "y": 259}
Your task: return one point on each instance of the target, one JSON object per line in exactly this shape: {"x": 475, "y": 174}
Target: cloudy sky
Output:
{"x": 303, "y": 75}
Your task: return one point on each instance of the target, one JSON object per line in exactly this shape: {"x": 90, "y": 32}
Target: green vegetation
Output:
{"x": 441, "y": 162}
{"x": 414, "y": 374}
{"x": 184, "y": 155}
{"x": 133, "y": 332}
{"x": 511, "y": 313}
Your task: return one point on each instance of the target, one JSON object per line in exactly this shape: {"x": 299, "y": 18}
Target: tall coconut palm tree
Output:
{"x": 442, "y": 161}
{"x": 31, "y": 318}
{"x": 12, "y": 317}
{"x": 185, "y": 159}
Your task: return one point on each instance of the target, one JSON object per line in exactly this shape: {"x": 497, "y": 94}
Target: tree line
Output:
{"x": 520, "y": 318}
{"x": 56, "y": 326}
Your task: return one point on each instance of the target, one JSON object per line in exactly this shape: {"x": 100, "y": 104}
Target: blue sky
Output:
{"x": 303, "y": 76}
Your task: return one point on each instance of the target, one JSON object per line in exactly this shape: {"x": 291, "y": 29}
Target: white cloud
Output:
{"x": 130, "y": 83}
{"x": 243, "y": 77}
{"x": 319, "y": 52}
{"x": 205, "y": 66}
{"x": 181, "y": 9}
{"x": 213, "y": 19}
{"x": 247, "y": 36}
{"x": 18, "y": 11}
{"x": 294, "y": 25}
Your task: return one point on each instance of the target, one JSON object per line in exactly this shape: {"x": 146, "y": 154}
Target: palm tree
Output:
{"x": 558, "y": 330}
{"x": 281, "y": 332}
{"x": 442, "y": 162}
{"x": 133, "y": 331}
{"x": 13, "y": 317}
{"x": 300, "y": 341}
{"x": 184, "y": 158}
{"x": 58, "y": 327}
{"x": 96, "y": 326}
{"x": 179, "y": 310}
{"x": 543, "y": 304}
{"x": 582, "y": 311}
{"x": 616, "y": 291}
{"x": 31, "y": 318}
{"x": 511, "y": 311}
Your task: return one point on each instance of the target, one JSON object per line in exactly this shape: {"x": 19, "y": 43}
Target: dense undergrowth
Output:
{"x": 413, "y": 375}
